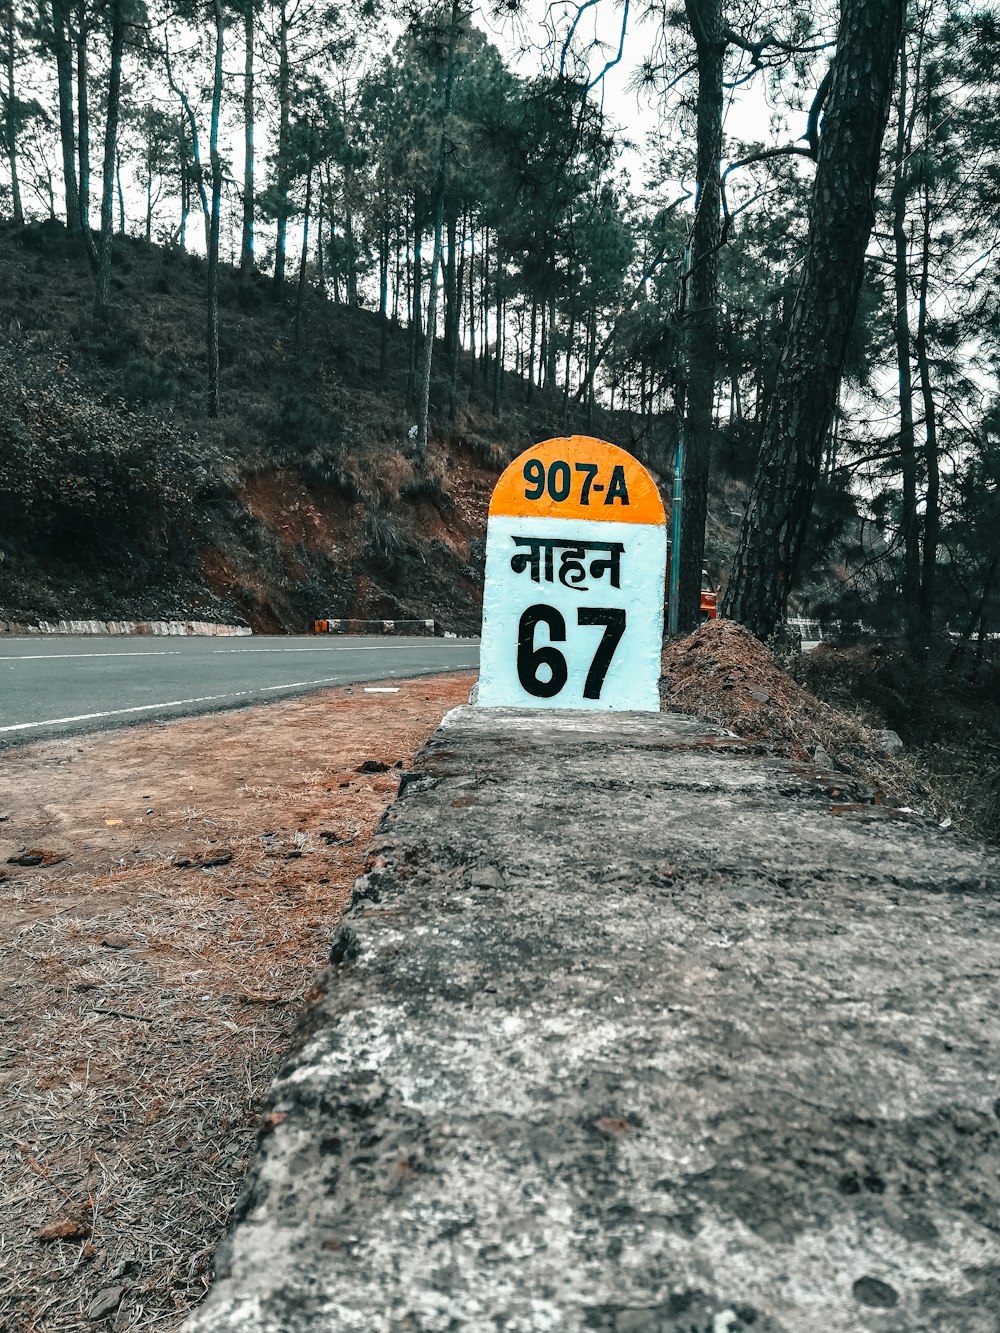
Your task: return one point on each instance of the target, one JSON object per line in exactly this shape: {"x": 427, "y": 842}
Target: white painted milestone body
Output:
{"x": 575, "y": 562}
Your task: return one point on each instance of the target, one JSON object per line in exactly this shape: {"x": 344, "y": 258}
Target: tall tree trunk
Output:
{"x": 196, "y": 167}
{"x": 455, "y": 332}
{"x": 185, "y": 188}
{"x": 498, "y": 359}
{"x": 10, "y": 101}
{"x": 213, "y": 233}
{"x": 332, "y": 225}
{"x": 551, "y": 372}
{"x": 450, "y": 313}
{"x": 102, "y": 300}
{"x": 417, "y": 315}
{"x": 152, "y": 200}
{"x": 284, "y": 123}
{"x": 591, "y": 366}
{"x": 83, "y": 128}
{"x": 383, "y": 288}
{"x": 246, "y": 243}
{"x": 67, "y": 130}
{"x": 901, "y": 329}
{"x": 300, "y": 298}
{"x": 531, "y": 348}
{"x": 543, "y": 346}
{"x": 442, "y": 186}
{"x": 396, "y": 280}
{"x": 569, "y": 354}
{"x": 812, "y": 361}
{"x": 414, "y": 269}
{"x": 320, "y": 260}
{"x": 485, "y": 296}
{"x": 472, "y": 305}
{"x": 699, "y": 329}
{"x": 351, "y": 247}
{"x": 932, "y": 463}
{"x": 423, "y": 404}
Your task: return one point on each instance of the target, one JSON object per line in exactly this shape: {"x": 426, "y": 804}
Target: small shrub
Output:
{"x": 384, "y": 537}
{"x": 86, "y": 484}
{"x": 111, "y": 344}
{"x": 491, "y": 455}
{"x": 950, "y": 727}
{"x": 47, "y": 238}
{"x": 300, "y": 423}
{"x": 249, "y": 296}
{"x": 143, "y": 381}
{"x": 428, "y": 487}
{"x": 326, "y": 467}
{"x": 475, "y": 570}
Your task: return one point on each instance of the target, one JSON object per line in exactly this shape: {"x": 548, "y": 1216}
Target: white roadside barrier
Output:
{"x": 180, "y": 628}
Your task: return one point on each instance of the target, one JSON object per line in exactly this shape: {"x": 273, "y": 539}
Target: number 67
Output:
{"x": 530, "y": 658}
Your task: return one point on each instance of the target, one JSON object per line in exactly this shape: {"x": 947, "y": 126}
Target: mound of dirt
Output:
{"x": 722, "y": 674}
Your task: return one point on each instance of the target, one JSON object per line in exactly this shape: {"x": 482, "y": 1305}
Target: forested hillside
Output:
{"x": 120, "y": 497}
{"x": 286, "y": 281}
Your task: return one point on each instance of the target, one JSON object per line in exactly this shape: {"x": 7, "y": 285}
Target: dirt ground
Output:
{"x": 167, "y": 898}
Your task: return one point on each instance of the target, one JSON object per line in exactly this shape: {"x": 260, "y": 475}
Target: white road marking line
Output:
{"x": 347, "y": 648}
{"x": 176, "y": 703}
{"x": 40, "y": 657}
{"x": 118, "y": 712}
{"x": 176, "y": 652}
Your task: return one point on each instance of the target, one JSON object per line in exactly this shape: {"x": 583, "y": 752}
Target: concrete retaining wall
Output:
{"x": 141, "y": 627}
{"x": 634, "y": 1028}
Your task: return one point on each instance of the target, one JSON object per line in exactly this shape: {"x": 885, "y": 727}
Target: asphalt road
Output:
{"x": 57, "y": 687}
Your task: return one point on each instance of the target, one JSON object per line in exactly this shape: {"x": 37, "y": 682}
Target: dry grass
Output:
{"x": 147, "y": 1005}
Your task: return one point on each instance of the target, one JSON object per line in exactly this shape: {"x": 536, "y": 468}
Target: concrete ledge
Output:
{"x": 344, "y": 626}
{"x": 627, "y": 1031}
{"x": 141, "y": 627}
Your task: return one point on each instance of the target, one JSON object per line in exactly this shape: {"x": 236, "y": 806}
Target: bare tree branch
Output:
{"x": 587, "y": 4}
{"x": 617, "y": 60}
{"x": 766, "y": 43}
{"x": 812, "y": 125}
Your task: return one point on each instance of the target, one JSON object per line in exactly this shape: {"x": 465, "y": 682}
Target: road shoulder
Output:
{"x": 170, "y": 905}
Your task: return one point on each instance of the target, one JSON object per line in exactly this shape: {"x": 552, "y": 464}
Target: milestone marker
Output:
{"x": 576, "y": 552}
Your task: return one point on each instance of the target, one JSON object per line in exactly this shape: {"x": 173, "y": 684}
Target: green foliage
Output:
{"x": 326, "y": 466}
{"x": 47, "y": 238}
{"x": 384, "y": 538}
{"x": 302, "y": 424}
{"x": 316, "y": 440}
{"x": 429, "y": 487}
{"x": 144, "y": 381}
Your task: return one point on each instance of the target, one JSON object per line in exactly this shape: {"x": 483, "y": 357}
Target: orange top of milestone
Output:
{"x": 578, "y": 477}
